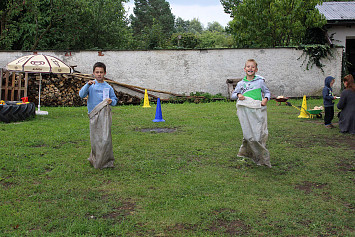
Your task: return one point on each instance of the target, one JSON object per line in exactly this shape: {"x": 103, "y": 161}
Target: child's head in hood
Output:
{"x": 329, "y": 81}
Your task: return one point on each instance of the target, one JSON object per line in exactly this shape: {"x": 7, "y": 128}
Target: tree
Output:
{"x": 8, "y": 11}
{"x": 230, "y": 5}
{"x": 215, "y": 27}
{"x": 27, "y": 26}
{"x": 153, "y": 37}
{"x": 181, "y": 25}
{"x": 185, "y": 40}
{"x": 215, "y": 39}
{"x": 149, "y": 13}
{"x": 103, "y": 25}
{"x": 195, "y": 26}
{"x": 270, "y": 23}
{"x": 62, "y": 24}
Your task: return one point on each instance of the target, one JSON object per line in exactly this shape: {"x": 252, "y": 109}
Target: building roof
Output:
{"x": 338, "y": 11}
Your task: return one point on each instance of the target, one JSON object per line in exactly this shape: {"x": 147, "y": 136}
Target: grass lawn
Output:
{"x": 184, "y": 181}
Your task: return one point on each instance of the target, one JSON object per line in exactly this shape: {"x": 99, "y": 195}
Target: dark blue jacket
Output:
{"x": 328, "y": 96}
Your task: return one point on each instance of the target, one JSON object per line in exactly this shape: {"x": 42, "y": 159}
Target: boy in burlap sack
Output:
{"x": 101, "y": 96}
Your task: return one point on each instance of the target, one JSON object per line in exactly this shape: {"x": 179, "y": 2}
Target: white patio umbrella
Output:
{"x": 39, "y": 63}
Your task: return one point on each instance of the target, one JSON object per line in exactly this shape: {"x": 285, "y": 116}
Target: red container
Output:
{"x": 24, "y": 99}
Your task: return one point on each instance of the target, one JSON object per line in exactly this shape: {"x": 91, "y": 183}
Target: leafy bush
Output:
{"x": 198, "y": 97}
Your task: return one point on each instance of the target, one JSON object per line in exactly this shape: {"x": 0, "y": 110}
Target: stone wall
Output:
{"x": 185, "y": 71}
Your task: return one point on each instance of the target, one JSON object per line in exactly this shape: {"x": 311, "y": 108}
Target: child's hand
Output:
{"x": 109, "y": 101}
{"x": 264, "y": 102}
{"x": 91, "y": 82}
{"x": 241, "y": 97}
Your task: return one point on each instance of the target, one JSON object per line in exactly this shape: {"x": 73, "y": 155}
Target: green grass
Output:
{"x": 183, "y": 183}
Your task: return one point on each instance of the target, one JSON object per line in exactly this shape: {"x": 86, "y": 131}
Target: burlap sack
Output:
{"x": 101, "y": 155}
{"x": 255, "y": 133}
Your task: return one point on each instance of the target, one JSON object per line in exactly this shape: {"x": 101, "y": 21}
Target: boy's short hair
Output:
{"x": 251, "y": 60}
{"x": 99, "y": 64}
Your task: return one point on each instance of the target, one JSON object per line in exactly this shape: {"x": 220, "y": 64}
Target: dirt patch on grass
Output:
{"x": 63, "y": 143}
{"x": 6, "y": 185}
{"x": 286, "y": 168}
{"x": 346, "y": 165}
{"x": 305, "y": 222}
{"x": 335, "y": 141}
{"x": 38, "y": 144}
{"x": 350, "y": 207}
{"x": 126, "y": 208}
{"x": 232, "y": 228}
{"x": 226, "y": 221}
{"x": 4, "y": 182}
{"x": 158, "y": 130}
{"x": 308, "y": 187}
{"x": 223, "y": 222}
{"x": 180, "y": 227}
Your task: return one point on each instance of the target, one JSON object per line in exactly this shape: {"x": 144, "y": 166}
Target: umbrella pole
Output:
{"x": 39, "y": 112}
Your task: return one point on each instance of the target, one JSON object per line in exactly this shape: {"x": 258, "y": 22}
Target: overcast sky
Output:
{"x": 205, "y": 10}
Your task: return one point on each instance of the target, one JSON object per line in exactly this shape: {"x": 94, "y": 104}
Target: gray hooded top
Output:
{"x": 255, "y": 89}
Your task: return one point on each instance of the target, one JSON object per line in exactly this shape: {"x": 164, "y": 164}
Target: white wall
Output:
{"x": 185, "y": 71}
{"x": 341, "y": 33}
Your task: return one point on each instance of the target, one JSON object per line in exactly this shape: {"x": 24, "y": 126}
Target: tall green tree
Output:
{"x": 185, "y": 40}
{"x": 215, "y": 27}
{"x": 270, "y": 23}
{"x": 104, "y": 25}
{"x": 149, "y": 14}
{"x": 27, "y": 24}
{"x": 9, "y": 10}
{"x": 181, "y": 25}
{"x": 215, "y": 39}
{"x": 230, "y": 5}
{"x": 62, "y": 24}
{"x": 195, "y": 26}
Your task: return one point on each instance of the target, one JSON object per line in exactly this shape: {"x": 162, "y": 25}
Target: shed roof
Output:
{"x": 338, "y": 11}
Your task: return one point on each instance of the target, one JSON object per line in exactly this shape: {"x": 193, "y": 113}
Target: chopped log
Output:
{"x": 63, "y": 90}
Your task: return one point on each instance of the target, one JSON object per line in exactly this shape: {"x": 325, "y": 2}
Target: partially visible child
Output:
{"x": 253, "y": 95}
{"x": 328, "y": 101}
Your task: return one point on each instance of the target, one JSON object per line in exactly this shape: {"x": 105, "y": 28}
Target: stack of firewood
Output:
{"x": 63, "y": 90}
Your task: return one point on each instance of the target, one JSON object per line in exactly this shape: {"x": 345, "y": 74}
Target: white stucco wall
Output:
{"x": 185, "y": 71}
{"x": 341, "y": 34}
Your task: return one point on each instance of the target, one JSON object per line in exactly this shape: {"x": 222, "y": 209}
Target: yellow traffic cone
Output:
{"x": 303, "y": 113}
{"x": 146, "y": 100}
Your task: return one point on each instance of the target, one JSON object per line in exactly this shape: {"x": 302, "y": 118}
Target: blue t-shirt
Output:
{"x": 95, "y": 93}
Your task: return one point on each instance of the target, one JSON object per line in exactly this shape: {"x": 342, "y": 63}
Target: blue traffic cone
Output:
{"x": 158, "y": 114}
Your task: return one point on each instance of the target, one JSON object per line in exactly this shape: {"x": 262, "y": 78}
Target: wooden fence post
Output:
{"x": 11, "y": 86}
